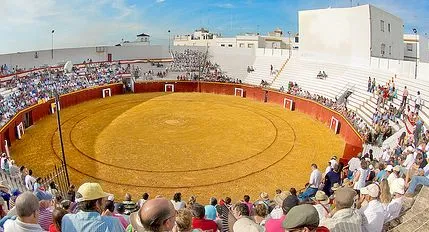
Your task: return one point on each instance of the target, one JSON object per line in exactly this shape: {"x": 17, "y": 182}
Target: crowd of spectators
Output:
{"x": 364, "y": 194}
{"x": 38, "y": 86}
{"x": 7, "y": 70}
{"x": 193, "y": 65}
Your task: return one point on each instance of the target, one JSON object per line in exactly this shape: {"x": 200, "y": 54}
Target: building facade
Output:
{"x": 351, "y": 35}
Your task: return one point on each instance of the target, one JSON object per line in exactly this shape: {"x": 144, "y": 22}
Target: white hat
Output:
{"x": 373, "y": 190}
{"x": 398, "y": 186}
{"x": 111, "y": 198}
{"x": 389, "y": 168}
{"x": 371, "y": 167}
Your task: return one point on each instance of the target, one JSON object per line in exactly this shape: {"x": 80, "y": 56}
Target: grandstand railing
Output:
{"x": 59, "y": 177}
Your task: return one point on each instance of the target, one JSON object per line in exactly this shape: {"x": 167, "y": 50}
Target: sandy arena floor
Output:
{"x": 198, "y": 144}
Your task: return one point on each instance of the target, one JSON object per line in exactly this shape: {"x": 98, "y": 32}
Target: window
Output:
{"x": 250, "y": 45}
{"x": 382, "y": 25}
{"x": 388, "y": 27}
{"x": 390, "y": 50}
{"x": 409, "y": 47}
{"x": 383, "y": 49}
{"x": 230, "y": 45}
{"x": 222, "y": 45}
{"x": 297, "y": 39}
{"x": 241, "y": 45}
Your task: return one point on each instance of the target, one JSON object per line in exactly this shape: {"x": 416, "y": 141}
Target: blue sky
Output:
{"x": 26, "y": 24}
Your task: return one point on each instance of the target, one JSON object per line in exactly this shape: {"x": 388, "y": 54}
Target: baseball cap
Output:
{"x": 42, "y": 195}
{"x": 301, "y": 215}
{"x": 389, "y": 168}
{"x": 289, "y": 203}
{"x": 90, "y": 191}
{"x": 373, "y": 190}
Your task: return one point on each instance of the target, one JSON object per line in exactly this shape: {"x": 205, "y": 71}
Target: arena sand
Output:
{"x": 198, "y": 144}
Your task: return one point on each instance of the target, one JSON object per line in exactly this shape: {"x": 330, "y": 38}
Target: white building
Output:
{"x": 203, "y": 37}
{"x": 416, "y": 47}
{"x": 142, "y": 39}
{"x": 351, "y": 35}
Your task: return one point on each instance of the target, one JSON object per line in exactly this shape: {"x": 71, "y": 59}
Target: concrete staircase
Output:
{"x": 414, "y": 216}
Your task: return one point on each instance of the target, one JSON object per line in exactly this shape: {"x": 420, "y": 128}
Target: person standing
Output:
{"x": 418, "y": 102}
{"x": 404, "y": 97}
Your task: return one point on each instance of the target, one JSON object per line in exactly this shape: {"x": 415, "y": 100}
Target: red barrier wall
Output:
{"x": 312, "y": 108}
{"x": 37, "y": 112}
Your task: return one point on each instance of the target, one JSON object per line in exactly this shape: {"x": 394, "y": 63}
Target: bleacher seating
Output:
{"x": 262, "y": 67}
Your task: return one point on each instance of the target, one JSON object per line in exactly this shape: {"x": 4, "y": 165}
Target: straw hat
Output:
{"x": 321, "y": 196}
{"x": 335, "y": 187}
{"x": 347, "y": 183}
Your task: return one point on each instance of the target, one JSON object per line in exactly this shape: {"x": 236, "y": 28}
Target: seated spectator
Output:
{"x": 277, "y": 212}
{"x": 184, "y": 221}
{"x": 374, "y": 211}
{"x": 156, "y": 215}
{"x": 303, "y": 218}
{"x": 321, "y": 204}
{"x": 57, "y": 216}
{"x": 275, "y": 225}
{"x": 421, "y": 178}
{"x": 395, "y": 206}
{"x": 90, "y": 198}
{"x": 120, "y": 210}
{"x": 129, "y": 205}
{"x": 313, "y": 184}
{"x": 45, "y": 211}
{"x": 246, "y": 200}
{"x": 198, "y": 220}
{"x": 109, "y": 210}
{"x": 145, "y": 197}
{"x": 261, "y": 213}
{"x": 210, "y": 210}
{"x": 177, "y": 201}
{"x": 331, "y": 178}
{"x": 27, "y": 210}
{"x": 344, "y": 217}
{"x": 244, "y": 223}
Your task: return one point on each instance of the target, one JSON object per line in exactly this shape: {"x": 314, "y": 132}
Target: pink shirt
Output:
{"x": 275, "y": 225}
{"x": 121, "y": 218}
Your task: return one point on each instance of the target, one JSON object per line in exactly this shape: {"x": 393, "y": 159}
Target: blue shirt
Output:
{"x": 210, "y": 212}
{"x": 90, "y": 222}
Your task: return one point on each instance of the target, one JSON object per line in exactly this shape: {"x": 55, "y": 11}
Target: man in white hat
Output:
{"x": 321, "y": 204}
{"x": 91, "y": 200}
{"x": 373, "y": 211}
{"x": 394, "y": 207}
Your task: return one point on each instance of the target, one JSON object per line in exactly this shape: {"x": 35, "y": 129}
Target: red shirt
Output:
{"x": 203, "y": 224}
{"x": 52, "y": 228}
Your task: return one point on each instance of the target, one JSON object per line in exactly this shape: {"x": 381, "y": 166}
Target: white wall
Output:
{"x": 393, "y": 39}
{"x": 78, "y": 55}
{"x": 340, "y": 34}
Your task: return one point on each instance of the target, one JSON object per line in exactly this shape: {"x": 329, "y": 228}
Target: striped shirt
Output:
{"x": 344, "y": 220}
{"x": 90, "y": 222}
{"x": 45, "y": 218}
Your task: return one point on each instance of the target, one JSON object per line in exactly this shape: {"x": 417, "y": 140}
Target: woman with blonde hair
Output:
{"x": 385, "y": 196}
{"x": 184, "y": 221}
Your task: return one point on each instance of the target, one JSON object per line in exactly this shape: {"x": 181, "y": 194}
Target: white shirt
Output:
{"x": 328, "y": 169}
{"x": 391, "y": 178}
{"x": 354, "y": 164}
{"x": 29, "y": 181}
{"x": 178, "y": 205}
{"x": 374, "y": 214}
{"x": 315, "y": 178}
{"x": 276, "y": 213}
{"x": 386, "y": 155}
{"x": 393, "y": 209}
{"x": 408, "y": 163}
{"x": 2, "y": 162}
